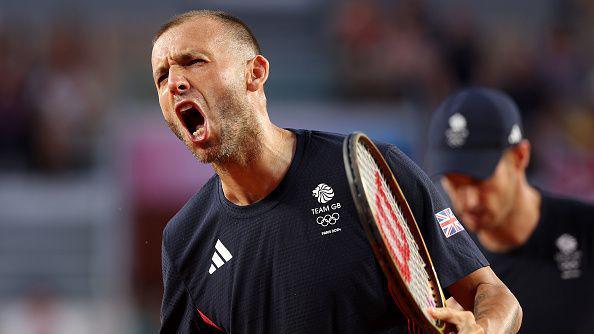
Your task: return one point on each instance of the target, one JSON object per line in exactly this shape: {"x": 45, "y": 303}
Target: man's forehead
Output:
{"x": 196, "y": 34}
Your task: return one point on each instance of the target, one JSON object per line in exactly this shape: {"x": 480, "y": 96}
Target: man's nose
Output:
{"x": 470, "y": 196}
{"x": 177, "y": 83}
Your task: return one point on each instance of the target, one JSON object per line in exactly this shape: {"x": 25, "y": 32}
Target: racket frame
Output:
{"x": 396, "y": 284}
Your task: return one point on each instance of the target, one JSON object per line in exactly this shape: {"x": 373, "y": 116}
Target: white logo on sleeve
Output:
{"x": 220, "y": 251}
{"x": 448, "y": 222}
{"x": 323, "y": 193}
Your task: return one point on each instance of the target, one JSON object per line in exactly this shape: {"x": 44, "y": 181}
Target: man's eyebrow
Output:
{"x": 185, "y": 56}
{"x": 180, "y": 58}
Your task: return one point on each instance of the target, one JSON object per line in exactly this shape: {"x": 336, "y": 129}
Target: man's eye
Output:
{"x": 196, "y": 61}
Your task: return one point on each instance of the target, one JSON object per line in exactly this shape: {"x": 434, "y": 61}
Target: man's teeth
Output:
{"x": 198, "y": 132}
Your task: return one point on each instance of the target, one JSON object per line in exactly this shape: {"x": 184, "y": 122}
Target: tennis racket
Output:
{"x": 393, "y": 233}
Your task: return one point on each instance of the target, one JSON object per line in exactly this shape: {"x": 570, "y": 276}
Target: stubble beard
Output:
{"x": 239, "y": 135}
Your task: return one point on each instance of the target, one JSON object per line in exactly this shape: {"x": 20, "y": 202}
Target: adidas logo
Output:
{"x": 220, "y": 250}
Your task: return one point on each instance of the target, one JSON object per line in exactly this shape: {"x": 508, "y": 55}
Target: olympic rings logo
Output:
{"x": 328, "y": 219}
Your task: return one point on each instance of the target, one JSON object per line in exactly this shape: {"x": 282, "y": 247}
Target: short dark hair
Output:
{"x": 240, "y": 30}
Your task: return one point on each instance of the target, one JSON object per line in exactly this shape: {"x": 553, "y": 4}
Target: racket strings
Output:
{"x": 395, "y": 230}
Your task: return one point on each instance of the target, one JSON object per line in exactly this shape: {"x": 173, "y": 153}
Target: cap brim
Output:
{"x": 478, "y": 164}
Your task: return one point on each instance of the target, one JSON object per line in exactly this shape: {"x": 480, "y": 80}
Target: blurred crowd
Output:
{"x": 52, "y": 97}
{"x": 403, "y": 50}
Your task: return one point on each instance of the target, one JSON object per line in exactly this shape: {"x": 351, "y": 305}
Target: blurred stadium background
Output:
{"x": 89, "y": 173}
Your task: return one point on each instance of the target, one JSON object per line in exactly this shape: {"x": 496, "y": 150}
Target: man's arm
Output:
{"x": 495, "y": 309}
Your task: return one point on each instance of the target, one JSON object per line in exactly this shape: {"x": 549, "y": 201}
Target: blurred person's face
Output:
{"x": 485, "y": 204}
{"x": 200, "y": 74}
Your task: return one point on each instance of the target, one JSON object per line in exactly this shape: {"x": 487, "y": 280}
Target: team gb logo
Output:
{"x": 457, "y": 133}
{"x": 323, "y": 193}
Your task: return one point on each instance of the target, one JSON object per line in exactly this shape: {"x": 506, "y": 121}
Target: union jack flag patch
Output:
{"x": 448, "y": 222}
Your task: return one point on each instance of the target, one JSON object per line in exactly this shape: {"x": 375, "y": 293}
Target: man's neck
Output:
{"x": 245, "y": 184}
{"x": 519, "y": 224}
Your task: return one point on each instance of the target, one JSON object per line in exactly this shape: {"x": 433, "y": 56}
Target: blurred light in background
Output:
{"x": 89, "y": 173}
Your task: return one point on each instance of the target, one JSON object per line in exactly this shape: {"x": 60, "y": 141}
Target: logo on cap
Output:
{"x": 515, "y": 135}
{"x": 457, "y": 133}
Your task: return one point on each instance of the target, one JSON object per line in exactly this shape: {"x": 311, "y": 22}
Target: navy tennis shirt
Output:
{"x": 557, "y": 261}
{"x": 295, "y": 262}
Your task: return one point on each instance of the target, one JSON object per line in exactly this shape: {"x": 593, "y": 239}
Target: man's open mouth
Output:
{"x": 192, "y": 120}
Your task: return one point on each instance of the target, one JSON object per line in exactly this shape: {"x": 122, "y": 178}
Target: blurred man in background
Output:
{"x": 540, "y": 245}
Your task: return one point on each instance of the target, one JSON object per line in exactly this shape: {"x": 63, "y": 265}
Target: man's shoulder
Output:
{"x": 564, "y": 203}
{"x": 572, "y": 210}
{"x": 323, "y": 137}
{"x": 397, "y": 160}
{"x": 404, "y": 168}
{"x": 192, "y": 214}
{"x": 337, "y": 139}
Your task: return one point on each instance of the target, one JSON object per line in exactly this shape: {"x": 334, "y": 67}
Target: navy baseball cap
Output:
{"x": 470, "y": 131}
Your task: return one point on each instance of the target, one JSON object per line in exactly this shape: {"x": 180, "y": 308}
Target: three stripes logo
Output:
{"x": 220, "y": 251}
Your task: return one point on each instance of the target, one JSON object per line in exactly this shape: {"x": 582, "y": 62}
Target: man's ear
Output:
{"x": 521, "y": 153}
{"x": 257, "y": 73}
